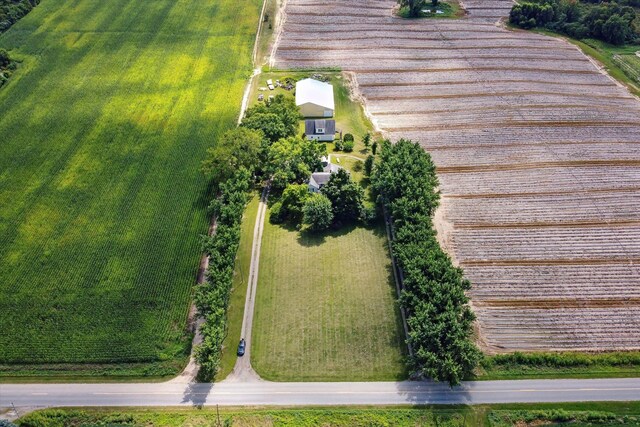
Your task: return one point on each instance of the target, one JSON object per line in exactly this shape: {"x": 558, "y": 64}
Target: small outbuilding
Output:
{"x": 315, "y": 98}
{"x": 320, "y": 130}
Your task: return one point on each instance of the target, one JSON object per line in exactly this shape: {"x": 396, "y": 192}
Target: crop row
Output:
{"x": 572, "y": 208}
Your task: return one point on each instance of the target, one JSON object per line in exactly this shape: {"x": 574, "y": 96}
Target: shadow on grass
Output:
{"x": 309, "y": 238}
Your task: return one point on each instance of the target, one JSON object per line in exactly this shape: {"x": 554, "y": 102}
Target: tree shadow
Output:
{"x": 197, "y": 393}
{"x": 428, "y": 392}
{"x": 309, "y": 238}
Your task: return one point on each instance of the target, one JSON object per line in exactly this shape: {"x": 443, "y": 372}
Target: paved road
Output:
{"x": 269, "y": 393}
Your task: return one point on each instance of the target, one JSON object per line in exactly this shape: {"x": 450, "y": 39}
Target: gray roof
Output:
{"x": 319, "y": 178}
{"x": 310, "y": 127}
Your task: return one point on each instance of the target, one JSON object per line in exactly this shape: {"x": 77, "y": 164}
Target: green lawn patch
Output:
{"x": 325, "y": 307}
{"x": 102, "y": 202}
{"x": 523, "y": 415}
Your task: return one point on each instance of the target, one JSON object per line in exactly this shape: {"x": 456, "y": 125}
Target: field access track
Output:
{"x": 538, "y": 155}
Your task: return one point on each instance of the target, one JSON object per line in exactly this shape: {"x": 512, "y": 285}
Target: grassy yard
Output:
{"x": 235, "y": 311}
{"x": 103, "y": 128}
{"x": 325, "y": 307}
{"x": 618, "y": 414}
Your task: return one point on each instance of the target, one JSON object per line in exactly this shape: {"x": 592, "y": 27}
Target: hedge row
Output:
{"x": 212, "y": 297}
{"x": 438, "y": 315}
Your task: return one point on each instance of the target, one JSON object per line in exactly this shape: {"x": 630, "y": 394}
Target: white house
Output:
{"x": 315, "y": 98}
{"x": 320, "y": 179}
{"x": 320, "y": 130}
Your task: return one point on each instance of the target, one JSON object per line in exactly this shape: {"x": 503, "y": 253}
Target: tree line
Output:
{"x": 609, "y": 21}
{"x": 263, "y": 145}
{"x": 433, "y": 296}
{"x": 12, "y": 10}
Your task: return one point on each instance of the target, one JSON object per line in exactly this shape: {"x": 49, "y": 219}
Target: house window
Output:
{"x": 319, "y": 130}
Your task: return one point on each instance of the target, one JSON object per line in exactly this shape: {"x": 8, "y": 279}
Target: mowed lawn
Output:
{"x": 102, "y": 131}
{"x": 325, "y": 307}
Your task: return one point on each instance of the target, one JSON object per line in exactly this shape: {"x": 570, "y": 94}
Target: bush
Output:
{"x": 348, "y": 137}
{"x": 275, "y": 214}
{"x": 339, "y": 145}
{"x": 348, "y": 146}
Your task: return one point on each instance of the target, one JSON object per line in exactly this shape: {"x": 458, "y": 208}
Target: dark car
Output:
{"x": 241, "y": 347}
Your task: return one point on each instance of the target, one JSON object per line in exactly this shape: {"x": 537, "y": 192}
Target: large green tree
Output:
{"x": 291, "y": 160}
{"x": 277, "y": 118}
{"x": 345, "y": 196}
{"x": 317, "y": 212}
{"x": 237, "y": 148}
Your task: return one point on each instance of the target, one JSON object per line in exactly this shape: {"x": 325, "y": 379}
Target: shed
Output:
{"x": 315, "y": 98}
{"x": 320, "y": 130}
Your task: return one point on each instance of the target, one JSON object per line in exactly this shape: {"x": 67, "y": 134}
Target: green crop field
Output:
{"x": 325, "y": 307}
{"x": 102, "y": 130}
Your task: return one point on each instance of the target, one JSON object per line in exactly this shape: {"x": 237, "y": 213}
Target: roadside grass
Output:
{"x": 496, "y": 415}
{"x": 560, "y": 365}
{"x": 104, "y": 126}
{"x": 620, "y": 62}
{"x": 235, "y": 312}
{"x": 325, "y": 307}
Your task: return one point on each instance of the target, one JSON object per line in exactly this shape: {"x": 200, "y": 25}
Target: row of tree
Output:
{"x": 212, "y": 297}
{"x": 264, "y": 145}
{"x": 439, "y": 317}
{"x": 608, "y": 21}
{"x": 12, "y": 10}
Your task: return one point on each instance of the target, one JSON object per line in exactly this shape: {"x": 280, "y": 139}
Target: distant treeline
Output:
{"x": 612, "y": 22}
{"x": 12, "y": 10}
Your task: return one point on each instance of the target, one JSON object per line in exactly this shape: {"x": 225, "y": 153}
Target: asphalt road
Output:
{"x": 269, "y": 393}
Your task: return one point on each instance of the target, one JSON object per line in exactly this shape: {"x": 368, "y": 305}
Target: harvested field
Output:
{"x": 538, "y": 154}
